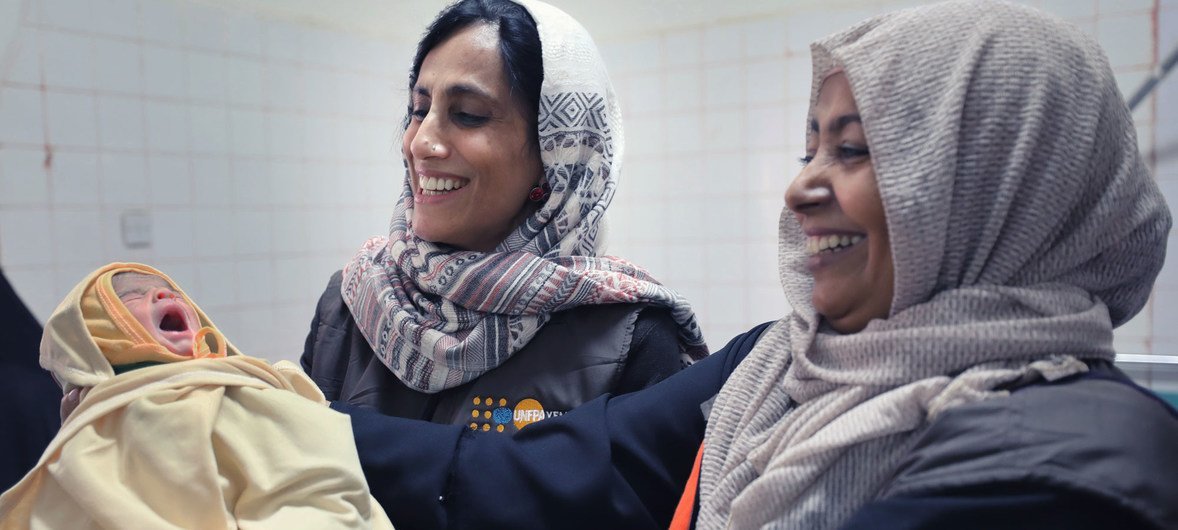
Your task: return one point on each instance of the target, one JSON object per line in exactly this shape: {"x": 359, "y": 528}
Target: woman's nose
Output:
{"x": 427, "y": 141}
{"x": 809, "y": 190}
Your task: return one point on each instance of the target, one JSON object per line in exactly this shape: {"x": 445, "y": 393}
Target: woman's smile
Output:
{"x": 830, "y": 243}
{"x": 830, "y": 249}
{"x": 436, "y": 186}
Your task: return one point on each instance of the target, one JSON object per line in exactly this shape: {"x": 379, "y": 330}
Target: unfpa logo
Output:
{"x": 527, "y": 412}
{"x": 486, "y": 416}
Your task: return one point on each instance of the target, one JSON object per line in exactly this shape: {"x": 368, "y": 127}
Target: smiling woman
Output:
{"x": 489, "y": 298}
{"x": 471, "y": 157}
{"x": 837, "y": 204}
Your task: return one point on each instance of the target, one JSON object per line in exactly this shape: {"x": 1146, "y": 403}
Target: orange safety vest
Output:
{"x": 685, "y": 512}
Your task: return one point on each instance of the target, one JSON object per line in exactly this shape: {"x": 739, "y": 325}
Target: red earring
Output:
{"x": 538, "y": 192}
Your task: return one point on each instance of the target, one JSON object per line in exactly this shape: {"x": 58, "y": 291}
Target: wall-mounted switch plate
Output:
{"x": 136, "y": 226}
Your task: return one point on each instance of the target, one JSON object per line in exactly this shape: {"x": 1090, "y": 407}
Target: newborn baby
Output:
{"x": 177, "y": 429}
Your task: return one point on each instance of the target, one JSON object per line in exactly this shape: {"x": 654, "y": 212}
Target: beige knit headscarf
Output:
{"x": 1023, "y": 225}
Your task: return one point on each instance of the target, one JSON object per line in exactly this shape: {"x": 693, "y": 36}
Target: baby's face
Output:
{"x": 162, "y": 312}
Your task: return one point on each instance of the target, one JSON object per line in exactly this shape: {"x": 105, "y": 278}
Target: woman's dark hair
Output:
{"x": 519, "y": 44}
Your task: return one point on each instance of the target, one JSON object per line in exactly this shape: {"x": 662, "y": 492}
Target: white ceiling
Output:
{"x": 404, "y": 20}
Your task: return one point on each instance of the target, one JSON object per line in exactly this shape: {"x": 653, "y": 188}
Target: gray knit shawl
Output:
{"x": 1023, "y": 224}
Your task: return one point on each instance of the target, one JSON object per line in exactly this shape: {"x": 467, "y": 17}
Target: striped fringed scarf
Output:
{"x": 439, "y": 317}
{"x": 1023, "y": 227}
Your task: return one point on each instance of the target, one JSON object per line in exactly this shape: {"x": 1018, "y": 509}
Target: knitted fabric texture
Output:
{"x": 1024, "y": 226}
{"x": 439, "y": 317}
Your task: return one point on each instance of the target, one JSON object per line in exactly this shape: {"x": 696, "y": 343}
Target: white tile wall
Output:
{"x": 21, "y": 116}
{"x": 1069, "y": 8}
{"x": 684, "y": 91}
{"x": 120, "y": 122}
{"x": 253, "y": 232}
{"x": 207, "y": 27}
{"x": 724, "y": 132}
{"x": 283, "y": 41}
{"x": 163, "y": 22}
{"x": 68, "y": 60}
{"x": 1167, "y": 31}
{"x": 765, "y": 82}
{"x": 247, "y": 132}
{"x": 722, "y": 43}
{"x": 165, "y": 71}
{"x": 175, "y": 230}
{"x": 646, "y": 94}
{"x": 770, "y": 129}
{"x": 246, "y": 81}
{"x": 26, "y": 235}
{"x": 166, "y": 126}
{"x": 68, "y": 14}
{"x": 115, "y": 17}
{"x": 71, "y": 119}
{"x": 251, "y": 179}
{"x": 684, "y": 48}
{"x": 124, "y": 179}
{"x": 1128, "y": 39}
{"x": 74, "y": 238}
{"x": 207, "y": 77}
{"x": 117, "y": 66}
{"x": 265, "y": 151}
{"x": 75, "y": 179}
{"x": 22, "y": 177}
{"x": 1118, "y": 6}
{"x": 24, "y": 53}
{"x": 244, "y": 34}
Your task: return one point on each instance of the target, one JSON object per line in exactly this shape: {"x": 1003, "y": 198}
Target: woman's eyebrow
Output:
{"x": 464, "y": 89}
{"x": 839, "y": 123}
{"x": 458, "y": 90}
{"x": 845, "y": 120}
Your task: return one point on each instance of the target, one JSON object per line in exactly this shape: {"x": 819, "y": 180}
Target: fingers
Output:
{"x": 69, "y": 402}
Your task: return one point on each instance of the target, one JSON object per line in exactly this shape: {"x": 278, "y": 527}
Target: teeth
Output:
{"x": 438, "y": 185}
{"x": 832, "y": 243}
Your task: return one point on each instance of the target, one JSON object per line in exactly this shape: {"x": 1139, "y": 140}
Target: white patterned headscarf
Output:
{"x": 1024, "y": 226}
{"x": 439, "y": 317}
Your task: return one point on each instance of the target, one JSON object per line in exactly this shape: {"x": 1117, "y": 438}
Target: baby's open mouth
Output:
{"x": 173, "y": 320}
